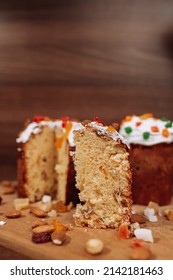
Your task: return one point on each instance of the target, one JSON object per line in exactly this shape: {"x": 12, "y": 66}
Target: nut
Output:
{"x": 42, "y": 234}
{"x": 38, "y": 223}
{"x": 21, "y": 203}
{"x": 94, "y": 246}
{"x": 58, "y": 237}
{"x": 8, "y": 190}
{"x": 38, "y": 212}
{"x": 13, "y": 214}
{"x": 138, "y": 218}
{"x": 5, "y": 183}
{"x": 141, "y": 253}
{"x": 169, "y": 215}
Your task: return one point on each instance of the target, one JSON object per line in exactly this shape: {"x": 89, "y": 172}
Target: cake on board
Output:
{"x": 44, "y": 162}
{"x": 151, "y": 157}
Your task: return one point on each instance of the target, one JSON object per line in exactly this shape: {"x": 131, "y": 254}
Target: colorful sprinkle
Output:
{"x": 64, "y": 120}
{"x": 39, "y": 118}
{"x": 97, "y": 119}
{"x": 128, "y": 129}
{"x": 168, "y": 124}
{"x": 165, "y": 132}
{"x": 111, "y": 129}
{"x": 128, "y": 118}
{"x": 146, "y": 116}
{"x": 138, "y": 124}
{"x": 146, "y": 135}
{"x": 154, "y": 129}
{"x": 164, "y": 119}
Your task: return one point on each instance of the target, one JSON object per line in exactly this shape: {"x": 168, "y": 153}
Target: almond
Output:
{"x": 13, "y": 214}
{"x": 141, "y": 253}
{"x": 38, "y": 212}
{"x": 138, "y": 218}
{"x": 169, "y": 215}
{"x": 5, "y": 183}
{"x": 58, "y": 237}
{"x": 9, "y": 190}
{"x": 44, "y": 228}
{"x": 38, "y": 223}
{"x": 42, "y": 234}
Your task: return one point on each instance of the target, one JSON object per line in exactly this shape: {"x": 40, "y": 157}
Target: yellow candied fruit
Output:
{"x": 111, "y": 129}
{"x": 146, "y": 116}
{"x": 128, "y": 118}
{"x": 165, "y": 132}
{"x": 60, "y": 140}
{"x": 58, "y": 225}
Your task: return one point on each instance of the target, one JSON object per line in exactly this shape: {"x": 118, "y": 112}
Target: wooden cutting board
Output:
{"x": 16, "y": 235}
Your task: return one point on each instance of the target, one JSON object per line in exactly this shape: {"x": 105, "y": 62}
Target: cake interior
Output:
{"x": 103, "y": 178}
{"x": 46, "y": 164}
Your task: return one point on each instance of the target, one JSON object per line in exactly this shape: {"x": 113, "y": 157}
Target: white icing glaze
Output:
{"x": 36, "y": 128}
{"x": 103, "y": 130}
{"x": 136, "y": 136}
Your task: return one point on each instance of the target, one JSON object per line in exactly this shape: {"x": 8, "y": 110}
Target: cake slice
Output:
{"x": 103, "y": 177}
{"x": 44, "y": 162}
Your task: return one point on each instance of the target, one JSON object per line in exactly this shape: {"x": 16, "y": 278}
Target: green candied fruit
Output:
{"x": 128, "y": 129}
{"x": 168, "y": 124}
{"x": 146, "y": 135}
{"x": 164, "y": 119}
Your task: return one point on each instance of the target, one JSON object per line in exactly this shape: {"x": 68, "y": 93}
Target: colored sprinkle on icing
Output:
{"x": 154, "y": 129}
{"x": 39, "y": 118}
{"x": 146, "y": 135}
{"x": 64, "y": 120}
{"x": 98, "y": 120}
{"x": 128, "y": 129}
{"x": 146, "y": 116}
{"x": 138, "y": 124}
{"x": 128, "y": 118}
{"x": 165, "y": 132}
{"x": 164, "y": 119}
{"x": 168, "y": 124}
{"x": 111, "y": 129}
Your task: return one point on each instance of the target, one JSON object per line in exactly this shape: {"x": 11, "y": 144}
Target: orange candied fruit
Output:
{"x": 146, "y": 116}
{"x": 111, "y": 129}
{"x": 58, "y": 225}
{"x": 154, "y": 129}
{"x": 137, "y": 243}
{"x": 59, "y": 141}
{"x": 128, "y": 118}
{"x": 123, "y": 231}
{"x": 165, "y": 132}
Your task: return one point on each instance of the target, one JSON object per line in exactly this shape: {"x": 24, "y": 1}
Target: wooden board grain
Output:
{"x": 16, "y": 236}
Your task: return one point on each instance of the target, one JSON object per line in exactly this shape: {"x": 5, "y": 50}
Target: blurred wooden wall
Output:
{"x": 82, "y": 59}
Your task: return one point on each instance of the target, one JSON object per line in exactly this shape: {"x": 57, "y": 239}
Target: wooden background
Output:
{"x": 84, "y": 59}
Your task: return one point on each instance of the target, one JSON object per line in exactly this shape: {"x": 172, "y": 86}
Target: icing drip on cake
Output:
{"x": 108, "y": 131}
{"x": 146, "y": 130}
{"x": 36, "y": 128}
